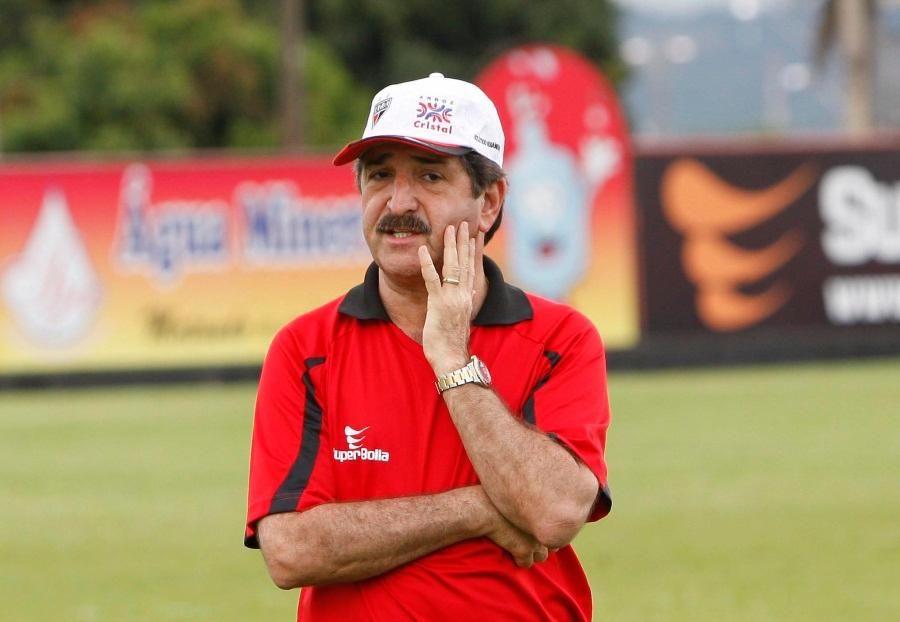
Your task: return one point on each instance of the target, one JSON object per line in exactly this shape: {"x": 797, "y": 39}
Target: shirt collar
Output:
{"x": 504, "y": 304}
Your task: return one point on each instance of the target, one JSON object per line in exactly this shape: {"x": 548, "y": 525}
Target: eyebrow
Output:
{"x": 387, "y": 155}
{"x": 429, "y": 159}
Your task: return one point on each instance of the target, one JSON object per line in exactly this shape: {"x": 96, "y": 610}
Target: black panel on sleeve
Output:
{"x": 528, "y": 407}
{"x": 294, "y": 484}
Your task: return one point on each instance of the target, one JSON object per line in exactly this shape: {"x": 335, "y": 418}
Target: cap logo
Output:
{"x": 434, "y": 113}
{"x": 379, "y": 109}
{"x": 488, "y": 143}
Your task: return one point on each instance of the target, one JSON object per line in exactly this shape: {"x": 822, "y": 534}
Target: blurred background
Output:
{"x": 126, "y": 76}
{"x": 714, "y": 183}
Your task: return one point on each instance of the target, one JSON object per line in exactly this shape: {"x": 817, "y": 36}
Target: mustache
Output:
{"x": 402, "y": 222}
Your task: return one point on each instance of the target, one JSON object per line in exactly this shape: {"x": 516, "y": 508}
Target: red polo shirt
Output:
{"x": 347, "y": 411}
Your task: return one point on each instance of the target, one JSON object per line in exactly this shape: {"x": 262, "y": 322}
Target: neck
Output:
{"x": 406, "y": 301}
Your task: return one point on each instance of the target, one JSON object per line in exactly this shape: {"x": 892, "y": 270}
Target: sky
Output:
{"x": 739, "y": 7}
{"x": 689, "y": 6}
{"x": 758, "y": 55}
{"x": 682, "y": 7}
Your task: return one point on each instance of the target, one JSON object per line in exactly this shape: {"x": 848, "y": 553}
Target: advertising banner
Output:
{"x": 197, "y": 263}
{"x": 735, "y": 241}
{"x": 188, "y": 263}
{"x": 568, "y": 226}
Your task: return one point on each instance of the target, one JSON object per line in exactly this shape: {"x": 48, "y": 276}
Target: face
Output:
{"x": 409, "y": 197}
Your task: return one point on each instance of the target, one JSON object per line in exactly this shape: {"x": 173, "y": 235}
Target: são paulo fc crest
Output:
{"x": 379, "y": 109}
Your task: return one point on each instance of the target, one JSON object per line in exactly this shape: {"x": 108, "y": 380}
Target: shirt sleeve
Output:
{"x": 286, "y": 472}
{"x": 570, "y": 402}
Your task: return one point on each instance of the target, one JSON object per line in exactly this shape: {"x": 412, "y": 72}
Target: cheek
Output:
{"x": 370, "y": 213}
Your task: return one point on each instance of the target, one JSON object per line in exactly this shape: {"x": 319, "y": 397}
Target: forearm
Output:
{"x": 532, "y": 480}
{"x": 341, "y": 542}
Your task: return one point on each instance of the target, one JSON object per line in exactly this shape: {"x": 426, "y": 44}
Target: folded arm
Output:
{"x": 342, "y": 542}
{"x": 532, "y": 480}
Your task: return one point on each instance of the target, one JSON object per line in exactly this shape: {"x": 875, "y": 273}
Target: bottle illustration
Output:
{"x": 51, "y": 288}
{"x": 546, "y": 208}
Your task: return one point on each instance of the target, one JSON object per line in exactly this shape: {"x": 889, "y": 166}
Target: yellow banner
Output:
{"x": 135, "y": 265}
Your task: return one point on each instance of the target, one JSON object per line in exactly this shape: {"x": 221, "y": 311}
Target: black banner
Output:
{"x": 735, "y": 241}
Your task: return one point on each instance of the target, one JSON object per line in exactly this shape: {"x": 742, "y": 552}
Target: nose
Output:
{"x": 403, "y": 195}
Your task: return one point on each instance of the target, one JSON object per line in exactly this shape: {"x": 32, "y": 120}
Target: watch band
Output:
{"x": 464, "y": 375}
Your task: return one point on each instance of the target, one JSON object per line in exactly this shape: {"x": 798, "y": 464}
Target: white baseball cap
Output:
{"x": 442, "y": 115}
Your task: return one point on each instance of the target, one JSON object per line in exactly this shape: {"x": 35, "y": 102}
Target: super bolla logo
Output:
{"x": 355, "y": 449}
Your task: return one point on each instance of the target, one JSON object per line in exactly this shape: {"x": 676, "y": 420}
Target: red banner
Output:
{"x": 168, "y": 263}
{"x": 569, "y": 228}
{"x": 134, "y": 265}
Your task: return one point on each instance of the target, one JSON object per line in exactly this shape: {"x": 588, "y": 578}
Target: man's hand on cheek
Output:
{"x": 445, "y": 337}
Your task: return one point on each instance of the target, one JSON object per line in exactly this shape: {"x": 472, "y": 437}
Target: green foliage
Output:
{"x": 159, "y": 75}
{"x": 337, "y": 106}
{"x": 385, "y": 42}
{"x": 166, "y": 75}
{"x": 114, "y": 75}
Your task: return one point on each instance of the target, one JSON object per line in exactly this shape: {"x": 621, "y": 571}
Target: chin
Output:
{"x": 400, "y": 268}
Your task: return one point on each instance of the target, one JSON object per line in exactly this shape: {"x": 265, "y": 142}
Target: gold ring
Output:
{"x": 451, "y": 280}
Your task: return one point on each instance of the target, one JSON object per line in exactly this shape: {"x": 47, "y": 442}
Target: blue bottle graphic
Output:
{"x": 547, "y": 211}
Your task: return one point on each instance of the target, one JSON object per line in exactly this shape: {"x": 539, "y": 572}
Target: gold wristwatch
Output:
{"x": 476, "y": 371}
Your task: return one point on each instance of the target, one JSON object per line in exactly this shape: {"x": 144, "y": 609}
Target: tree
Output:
{"x": 847, "y": 24}
{"x": 386, "y": 42}
{"x": 165, "y": 74}
{"x": 159, "y": 75}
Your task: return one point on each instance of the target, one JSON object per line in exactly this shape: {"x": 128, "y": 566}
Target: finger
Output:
{"x": 462, "y": 253}
{"x": 524, "y": 562}
{"x": 541, "y": 555}
{"x": 451, "y": 261}
{"x": 429, "y": 272}
{"x": 478, "y": 260}
{"x": 471, "y": 263}
{"x": 479, "y": 248}
{"x": 462, "y": 236}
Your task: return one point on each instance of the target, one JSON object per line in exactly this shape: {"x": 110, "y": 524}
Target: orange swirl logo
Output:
{"x": 706, "y": 210}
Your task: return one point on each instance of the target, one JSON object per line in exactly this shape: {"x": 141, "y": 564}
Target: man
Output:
{"x": 392, "y": 475}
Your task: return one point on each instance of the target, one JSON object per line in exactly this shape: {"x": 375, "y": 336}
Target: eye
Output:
{"x": 431, "y": 176}
{"x": 377, "y": 174}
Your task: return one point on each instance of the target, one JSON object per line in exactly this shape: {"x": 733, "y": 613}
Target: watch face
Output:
{"x": 483, "y": 371}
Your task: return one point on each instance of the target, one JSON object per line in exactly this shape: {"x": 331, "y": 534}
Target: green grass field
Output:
{"x": 768, "y": 493}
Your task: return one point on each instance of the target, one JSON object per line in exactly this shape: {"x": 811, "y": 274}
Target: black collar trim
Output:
{"x": 504, "y": 305}
{"x": 363, "y": 301}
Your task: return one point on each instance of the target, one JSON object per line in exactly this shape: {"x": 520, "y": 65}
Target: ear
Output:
{"x": 493, "y": 199}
